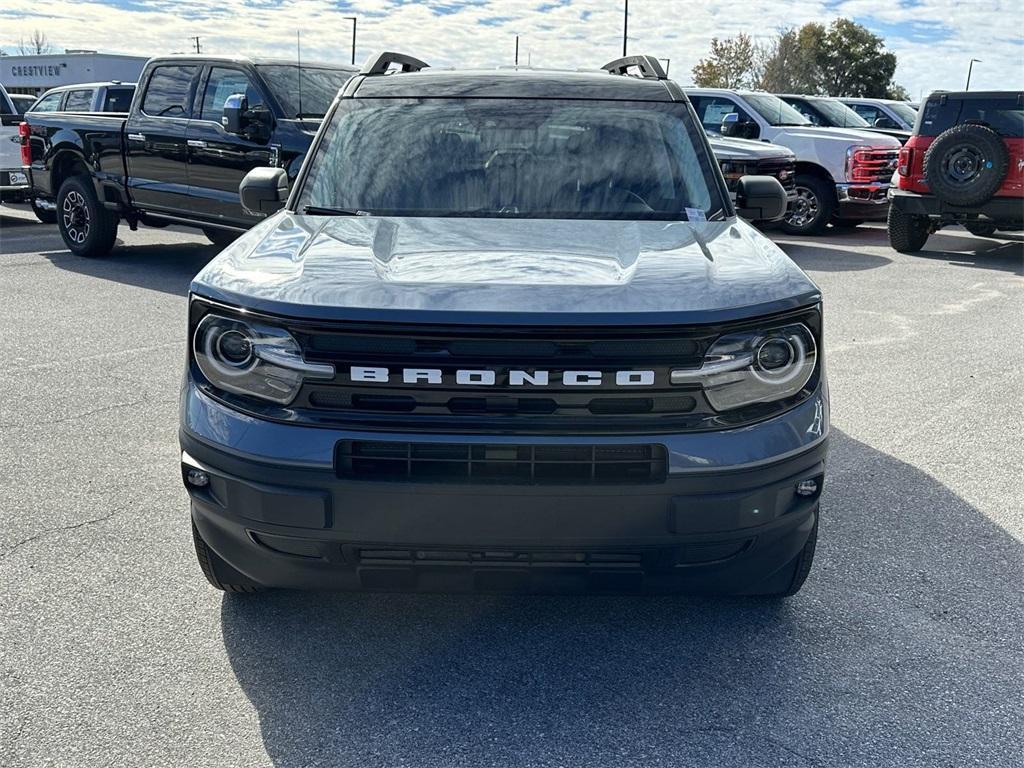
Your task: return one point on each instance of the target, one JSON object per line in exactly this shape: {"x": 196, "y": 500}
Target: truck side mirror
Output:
{"x": 885, "y": 122}
{"x": 760, "y": 198}
{"x": 264, "y": 191}
{"x": 735, "y": 128}
{"x": 235, "y": 118}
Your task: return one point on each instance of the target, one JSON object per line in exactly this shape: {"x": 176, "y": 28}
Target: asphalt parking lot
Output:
{"x": 905, "y": 647}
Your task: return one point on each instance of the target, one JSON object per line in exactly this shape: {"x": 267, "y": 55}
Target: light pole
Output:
{"x": 353, "y": 20}
{"x": 625, "y": 27}
{"x": 969, "y": 68}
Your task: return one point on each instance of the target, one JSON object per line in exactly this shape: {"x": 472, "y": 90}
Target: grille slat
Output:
{"x": 521, "y": 464}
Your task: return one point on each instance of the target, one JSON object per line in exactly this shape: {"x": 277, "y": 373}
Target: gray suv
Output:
{"x": 506, "y": 332}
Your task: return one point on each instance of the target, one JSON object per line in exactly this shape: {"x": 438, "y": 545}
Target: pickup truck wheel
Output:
{"x": 45, "y": 215}
{"x": 907, "y": 233}
{"x": 813, "y": 208}
{"x": 222, "y": 238}
{"x": 87, "y": 227}
{"x": 217, "y": 572}
{"x": 966, "y": 164}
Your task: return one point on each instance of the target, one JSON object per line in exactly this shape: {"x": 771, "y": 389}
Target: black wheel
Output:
{"x": 217, "y": 572}
{"x": 222, "y": 238}
{"x": 966, "y": 164}
{"x": 813, "y": 208}
{"x": 87, "y": 227}
{"x": 45, "y": 215}
{"x": 980, "y": 228}
{"x": 907, "y": 233}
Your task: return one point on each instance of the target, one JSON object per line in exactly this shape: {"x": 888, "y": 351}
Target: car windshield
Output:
{"x": 775, "y": 110}
{"x": 905, "y": 112}
{"x": 513, "y": 158}
{"x": 309, "y": 97}
{"x": 838, "y": 114}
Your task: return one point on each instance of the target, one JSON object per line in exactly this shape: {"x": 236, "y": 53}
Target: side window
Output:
{"x": 711, "y": 110}
{"x": 118, "y": 99}
{"x": 169, "y": 90}
{"x": 49, "y": 103}
{"x": 806, "y": 111}
{"x": 79, "y": 101}
{"x": 869, "y": 113}
{"x": 221, "y": 84}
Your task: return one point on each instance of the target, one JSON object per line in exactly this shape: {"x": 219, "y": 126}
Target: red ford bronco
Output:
{"x": 963, "y": 165}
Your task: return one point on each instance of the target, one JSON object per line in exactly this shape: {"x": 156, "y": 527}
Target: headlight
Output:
{"x": 756, "y": 366}
{"x": 252, "y": 358}
{"x": 733, "y": 171}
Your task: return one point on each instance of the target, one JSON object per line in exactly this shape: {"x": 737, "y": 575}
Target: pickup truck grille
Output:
{"x": 476, "y": 463}
{"x": 783, "y": 169}
{"x": 872, "y": 165}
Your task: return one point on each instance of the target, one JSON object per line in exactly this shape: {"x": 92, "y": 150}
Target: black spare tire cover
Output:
{"x": 966, "y": 164}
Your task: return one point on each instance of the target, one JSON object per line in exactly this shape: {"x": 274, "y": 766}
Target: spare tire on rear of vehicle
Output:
{"x": 966, "y": 164}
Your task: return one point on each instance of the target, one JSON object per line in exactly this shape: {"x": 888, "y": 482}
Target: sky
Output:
{"x": 934, "y": 40}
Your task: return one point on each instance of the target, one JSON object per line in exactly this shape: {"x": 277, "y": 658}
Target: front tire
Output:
{"x": 222, "y": 238}
{"x": 907, "y": 233}
{"x": 45, "y": 215}
{"x": 813, "y": 208}
{"x": 88, "y": 229}
{"x": 220, "y": 575}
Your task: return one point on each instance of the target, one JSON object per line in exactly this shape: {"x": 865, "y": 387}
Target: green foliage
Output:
{"x": 843, "y": 59}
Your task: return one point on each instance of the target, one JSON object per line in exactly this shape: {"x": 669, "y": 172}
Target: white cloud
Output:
{"x": 577, "y": 33}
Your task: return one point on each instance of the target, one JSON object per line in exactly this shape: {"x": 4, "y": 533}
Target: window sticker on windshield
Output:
{"x": 695, "y": 214}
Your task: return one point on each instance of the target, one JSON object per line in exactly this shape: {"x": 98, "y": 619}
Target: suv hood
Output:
{"x": 469, "y": 270}
{"x": 729, "y": 148}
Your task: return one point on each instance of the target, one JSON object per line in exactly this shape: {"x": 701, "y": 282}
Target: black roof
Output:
{"x": 518, "y": 83}
{"x": 216, "y": 58}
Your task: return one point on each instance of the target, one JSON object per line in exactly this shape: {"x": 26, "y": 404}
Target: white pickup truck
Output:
{"x": 842, "y": 175}
{"x": 14, "y": 184}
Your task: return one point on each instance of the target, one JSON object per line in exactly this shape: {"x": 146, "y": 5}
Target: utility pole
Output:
{"x": 353, "y": 20}
{"x": 198, "y": 48}
{"x": 625, "y": 27}
{"x": 969, "y": 68}
{"x": 517, "y": 50}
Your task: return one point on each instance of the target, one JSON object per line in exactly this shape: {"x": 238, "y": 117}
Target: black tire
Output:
{"x": 811, "y": 212}
{"x": 980, "y": 228}
{"x": 222, "y": 238}
{"x": 45, "y": 215}
{"x": 87, "y": 227}
{"x": 966, "y": 164}
{"x": 220, "y": 575}
{"x": 907, "y": 233}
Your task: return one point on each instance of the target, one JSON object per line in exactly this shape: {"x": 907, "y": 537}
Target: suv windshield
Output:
{"x": 508, "y": 157}
{"x": 774, "y": 110}
{"x": 312, "y": 96}
{"x": 839, "y": 115}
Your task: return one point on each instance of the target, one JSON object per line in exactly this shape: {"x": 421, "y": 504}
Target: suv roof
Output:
{"x": 256, "y": 60}
{"x": 609, "y": 83}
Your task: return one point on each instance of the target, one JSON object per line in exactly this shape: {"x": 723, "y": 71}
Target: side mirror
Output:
{"x": 735, "y": 128}
{"x": 760, "y": 198}
{"x": 264, "y": 191}
{"x": 885, "y": 122}
{"x": 235, "y": 118}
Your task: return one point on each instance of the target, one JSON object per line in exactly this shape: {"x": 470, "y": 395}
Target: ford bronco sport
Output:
{"x": 507, "y": 333}
{"x": 963, "y": 165}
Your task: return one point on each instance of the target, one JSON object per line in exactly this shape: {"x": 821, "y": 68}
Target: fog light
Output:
{"x": 198, "y": 478}
{"x": 807, "y": 487}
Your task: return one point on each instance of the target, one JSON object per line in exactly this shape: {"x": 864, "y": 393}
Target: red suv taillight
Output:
{"x": 870, "y": 165}
{"x": 905, "y": 161}
{"x": 26, "y": 148}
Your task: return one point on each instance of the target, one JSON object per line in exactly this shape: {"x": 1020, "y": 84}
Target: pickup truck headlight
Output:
{"x": 253, "y": 358}
{"x": 756, "y": 366}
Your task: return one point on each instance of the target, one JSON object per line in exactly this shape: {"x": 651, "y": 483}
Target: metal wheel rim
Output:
{"x": 804, "y": 209}
{"x": 75, "y": 216}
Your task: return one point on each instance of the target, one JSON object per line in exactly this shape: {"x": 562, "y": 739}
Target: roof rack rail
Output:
{"x": 648, "y": 67}
{"x": 379, "y": 63}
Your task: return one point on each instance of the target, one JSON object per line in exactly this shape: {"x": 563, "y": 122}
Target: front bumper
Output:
{"x": 726, "y": 520}
{"x": 865, "y": 202}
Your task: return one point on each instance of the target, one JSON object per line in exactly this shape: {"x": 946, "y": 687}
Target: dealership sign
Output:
{"x": 38, "y": 70}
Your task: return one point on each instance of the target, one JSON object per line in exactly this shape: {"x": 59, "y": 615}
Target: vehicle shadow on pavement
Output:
{"x": 978, "y": 252}
{"x": 895, "y": 653}
{"x": 167, "y": 268}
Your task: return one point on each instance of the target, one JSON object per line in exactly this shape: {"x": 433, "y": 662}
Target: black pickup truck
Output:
{"x": 196, "y": 126}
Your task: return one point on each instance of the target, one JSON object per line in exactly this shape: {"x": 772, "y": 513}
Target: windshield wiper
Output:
{"x": 316, "y": 210}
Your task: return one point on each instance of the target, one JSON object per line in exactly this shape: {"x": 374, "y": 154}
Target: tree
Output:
{"x": 788, "y": 64}
{"x": 897, "y": 92}
{"x": 730, "y": 65}
{"x": 852, "y": 61}
{"x": 37, "y": 44}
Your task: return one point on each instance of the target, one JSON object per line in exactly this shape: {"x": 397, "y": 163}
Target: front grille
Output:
{"x": 783, "y": 169}
{"x": 872, "y": 165}
{"x": 507, "y": 464}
